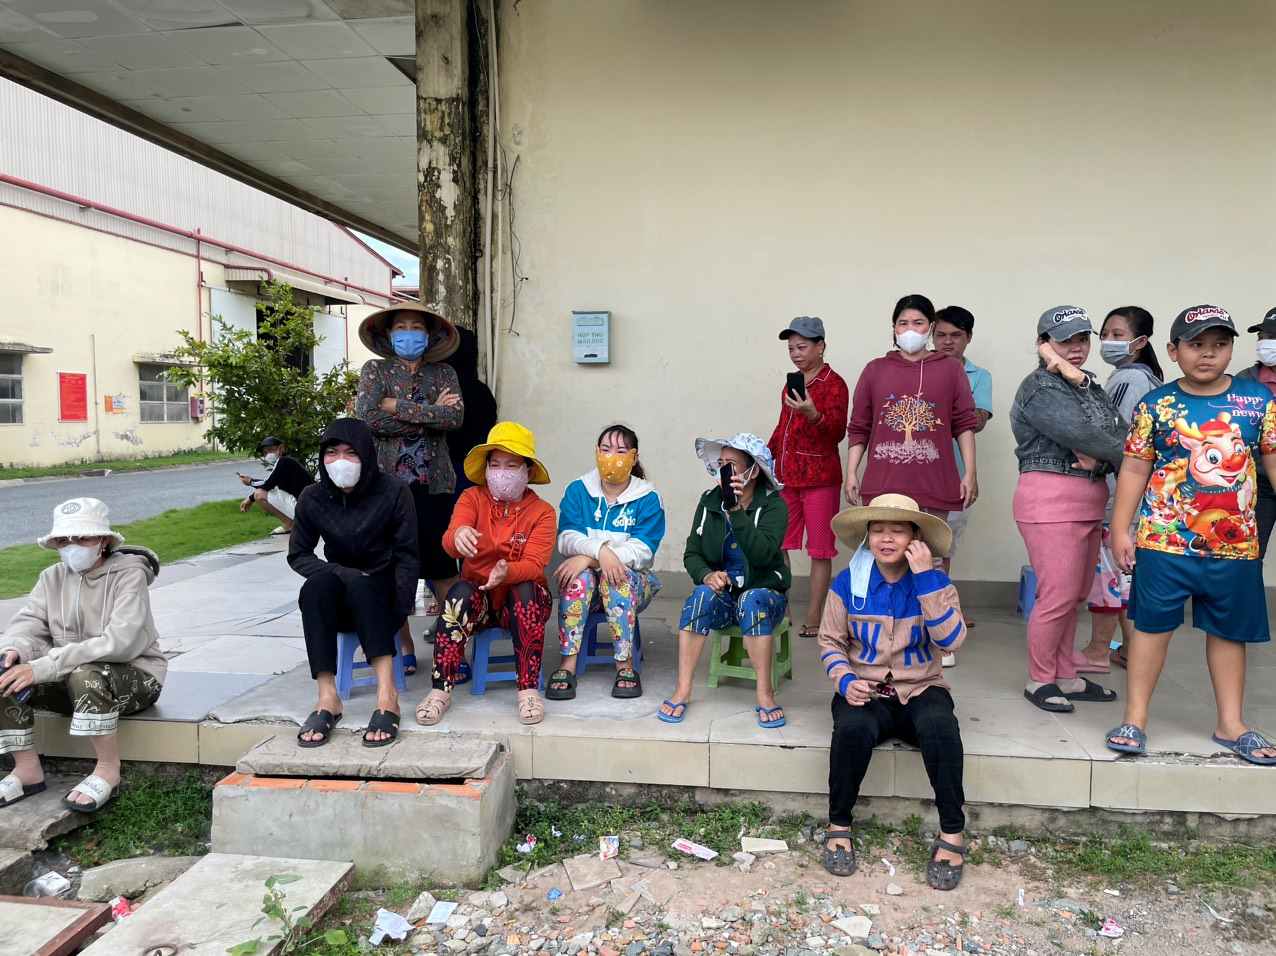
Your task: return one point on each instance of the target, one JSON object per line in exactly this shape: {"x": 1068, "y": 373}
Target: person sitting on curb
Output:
{"x": 504, "y": 535}
{"x": 733, "y": 556}
{"x": 610, "y": 524}
{"x": 277, "y": 493}
{"x": 890, "y": 617}
{"x": 366, "y": 581}
{"x": 84, "y": 644}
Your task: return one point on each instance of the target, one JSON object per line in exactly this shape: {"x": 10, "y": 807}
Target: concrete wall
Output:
{"x": 708, "y": 170}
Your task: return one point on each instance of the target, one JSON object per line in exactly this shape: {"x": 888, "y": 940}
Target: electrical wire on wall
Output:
{"x": 517, "y": 277}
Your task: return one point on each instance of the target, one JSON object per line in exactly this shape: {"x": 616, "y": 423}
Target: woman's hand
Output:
{"x": 919, "y": 557}
{"x": 718, "y": 580}
{"x": 388, "y": 405}
{"x": 852, "y": 490}
{"x": 859, "y": 692}
{"x": 466, "y": 541}
{"x": 1060, "y": 366}
{"x": 246, "y": 504}
{"x": 613, "y": 570}
{"x": 969, "y": 489}
{"x": 245, "y": 480}
{"x": 803, "y": 406}
{"x": 1123, "y": 549}
{"x": 570, "y": 569}
{"x": 17, "y": 678}
{"x": 448, "y": 399}
{"x": 1084, "y": 461}
{"x": 497, "y": 577}
{"x": 737, "y": 485}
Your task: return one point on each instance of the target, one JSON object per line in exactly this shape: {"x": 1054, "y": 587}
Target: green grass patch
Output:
{"x": 71, "y": 469}
{"x": 1133, "y": 857}
{"x": 153, "y": 814}
{"x": 173, "y": 535}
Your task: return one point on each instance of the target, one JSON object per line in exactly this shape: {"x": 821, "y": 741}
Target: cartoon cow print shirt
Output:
{"x": 1205, "y": 450}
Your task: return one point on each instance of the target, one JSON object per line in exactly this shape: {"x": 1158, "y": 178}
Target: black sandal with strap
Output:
{"x": 628, "y": 676}
{"x": 1043, "y": 695}
{"x": 940, "y": 874}
{"x": 385, "y": 722}
{"x": 839, "y": 861}
{"x": 319, "y": 722}
{"x": 566, "y": 685}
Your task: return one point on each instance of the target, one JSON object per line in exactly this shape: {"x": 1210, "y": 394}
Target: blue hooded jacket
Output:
{"x": 632, "y": 527}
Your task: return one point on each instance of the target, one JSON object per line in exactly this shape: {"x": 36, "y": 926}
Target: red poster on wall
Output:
{"x": 73, "y": 397}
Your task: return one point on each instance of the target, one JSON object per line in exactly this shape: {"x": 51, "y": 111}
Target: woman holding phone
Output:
{"x": 733, "y": 556}
{"x": 804, "y": 446}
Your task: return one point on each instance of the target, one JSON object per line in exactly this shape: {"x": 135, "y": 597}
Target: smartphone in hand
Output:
{"x": 725, "y": 474}
{"x": 795, "y": 382}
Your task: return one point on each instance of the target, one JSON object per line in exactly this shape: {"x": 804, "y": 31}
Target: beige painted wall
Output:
{"x": 61, "y": 284}
{"x": 708, "y": 170}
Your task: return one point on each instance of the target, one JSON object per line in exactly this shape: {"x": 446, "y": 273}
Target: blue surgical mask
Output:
{"x": 409, "y": 343}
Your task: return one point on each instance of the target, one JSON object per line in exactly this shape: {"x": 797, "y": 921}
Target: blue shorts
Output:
{"x": 1227, "y": 595}
{"x": 757, "y": 611}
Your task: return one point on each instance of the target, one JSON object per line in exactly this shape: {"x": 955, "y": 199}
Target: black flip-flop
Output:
{"x": 839, "y": 861}
{"x": 940, "y": 874}
{"x": 385, "y": 722}
{"x": 626, "y": 693}
{"x": 1041, "y": 698}
{"x": 319, "y": 722}
{"x": 561, "y": 676}
{"x": 1093, "y": 693}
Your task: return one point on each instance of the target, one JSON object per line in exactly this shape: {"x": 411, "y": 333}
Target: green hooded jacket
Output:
{"x": 759, "y": 530}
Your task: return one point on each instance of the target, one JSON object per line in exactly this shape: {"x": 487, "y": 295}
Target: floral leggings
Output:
{"x": 467, "y": 610}
{"x": 623, "y": 603}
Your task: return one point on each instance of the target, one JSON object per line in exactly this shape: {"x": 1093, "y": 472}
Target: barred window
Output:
{"x": 10, "y": 388}
{"x": 161, "y": 400}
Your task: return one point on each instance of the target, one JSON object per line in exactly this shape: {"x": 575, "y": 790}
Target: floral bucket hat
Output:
{"x": 710, "y": 449}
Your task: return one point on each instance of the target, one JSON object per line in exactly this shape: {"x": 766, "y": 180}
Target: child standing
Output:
{"x": 1191, "y": 457}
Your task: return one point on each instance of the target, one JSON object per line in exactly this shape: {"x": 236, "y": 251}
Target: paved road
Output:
{"x": 27, "y": 509}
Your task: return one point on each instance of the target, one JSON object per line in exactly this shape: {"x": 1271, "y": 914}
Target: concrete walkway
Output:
{"x": 238, "y": 674}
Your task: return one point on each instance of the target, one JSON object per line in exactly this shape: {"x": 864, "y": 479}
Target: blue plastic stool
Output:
{"x": 1027, "y": 591}
{"x": 484, "y": 659}
{"x": 604, "y": 652}
{"x": 347, "y": 644}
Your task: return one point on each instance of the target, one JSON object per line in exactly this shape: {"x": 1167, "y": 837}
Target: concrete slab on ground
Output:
{"x": 29, "y": 927}
{"x": 32, "y": 823}
{"x": 242, "y": 654}
{"x": 415, "y": 757}
{"x": 216, "y": 903}
{"x": 15, "y": 870}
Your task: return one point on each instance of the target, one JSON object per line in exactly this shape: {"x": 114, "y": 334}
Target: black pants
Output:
{"x": 926, "y": 721}
{"x": 1266, "y": 508}
{"x": 433, "y": 514}
{"x": 332, "y": 602}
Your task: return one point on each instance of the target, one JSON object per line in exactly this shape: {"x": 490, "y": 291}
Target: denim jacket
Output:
{"x": 1052, "y": 419}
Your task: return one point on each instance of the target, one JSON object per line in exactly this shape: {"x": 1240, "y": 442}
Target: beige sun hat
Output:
{"x": 851, "y": 525}
{"x": 81, "y": 518}
{"x": 374, "y": 332}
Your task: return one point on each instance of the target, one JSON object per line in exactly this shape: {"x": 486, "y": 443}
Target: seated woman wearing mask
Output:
{"x": 366, "y": 581}
{"x": 733, "y": 556}
{"x": 84, "y": 645}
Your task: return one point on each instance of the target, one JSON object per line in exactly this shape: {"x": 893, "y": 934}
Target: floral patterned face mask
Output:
{"x": 616, "y": 467}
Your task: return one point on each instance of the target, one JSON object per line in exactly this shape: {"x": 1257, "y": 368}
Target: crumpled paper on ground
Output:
{"x": 389, "y": 924}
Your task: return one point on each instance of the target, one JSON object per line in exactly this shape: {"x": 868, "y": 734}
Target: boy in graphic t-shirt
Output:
{"x": 1191, "y": 457}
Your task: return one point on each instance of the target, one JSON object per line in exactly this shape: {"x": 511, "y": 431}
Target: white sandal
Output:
{"x": 531, "y": 709}
{"x": 431, "y": 710}
{"x": 13, "y": 790}
{"x": 93, "y": 787}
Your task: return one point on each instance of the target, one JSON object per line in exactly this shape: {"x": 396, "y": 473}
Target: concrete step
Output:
{"x": 35, "y": 927}
{"x": 215, "y": 904}
{"x": 411, "y": 757}
{"x": 31, "y": 824}
{"x": 15, "y": 871}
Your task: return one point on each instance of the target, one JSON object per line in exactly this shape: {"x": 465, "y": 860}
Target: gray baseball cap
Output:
{"x": 1063, "y": 322}
{"x": 1268, "y": 325}
{"x": 807, "y": 326}
{"x": 1191, "y": 322}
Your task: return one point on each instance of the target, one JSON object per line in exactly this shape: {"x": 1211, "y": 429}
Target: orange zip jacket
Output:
{"x": 522, "y": 532}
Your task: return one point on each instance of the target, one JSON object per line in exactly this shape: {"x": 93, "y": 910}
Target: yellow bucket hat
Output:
{"x": 513, "y": 438}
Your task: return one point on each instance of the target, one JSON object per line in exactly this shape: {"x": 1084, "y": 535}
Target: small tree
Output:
{"x": 264, "y": 384}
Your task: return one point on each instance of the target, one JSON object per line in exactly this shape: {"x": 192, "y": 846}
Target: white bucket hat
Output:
{"x": 81, "y": 518}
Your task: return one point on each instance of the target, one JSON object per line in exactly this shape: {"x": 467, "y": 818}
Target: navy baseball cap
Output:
{"x": 1191, "y": 322}
{"x": 1268, "y": 324}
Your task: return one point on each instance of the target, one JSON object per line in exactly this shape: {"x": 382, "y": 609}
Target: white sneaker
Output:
{"x": 948, "y": 660}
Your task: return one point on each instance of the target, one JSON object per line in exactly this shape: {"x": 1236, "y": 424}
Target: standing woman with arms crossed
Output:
{"x": 804, "y": 446}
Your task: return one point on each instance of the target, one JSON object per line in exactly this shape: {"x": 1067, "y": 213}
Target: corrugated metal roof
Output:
{"x": 56, "y": 146}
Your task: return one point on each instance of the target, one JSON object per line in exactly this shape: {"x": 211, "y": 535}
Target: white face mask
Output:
{"x": 911, "y": 342}
{"x": 80, "y": 557}
{"x": 344, "y": 473}
{"x": 1267, "y": 351}
{"x": 271, "y": 458}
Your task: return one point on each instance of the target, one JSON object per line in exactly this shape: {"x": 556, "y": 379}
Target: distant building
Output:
{"x": 113, "y": 245}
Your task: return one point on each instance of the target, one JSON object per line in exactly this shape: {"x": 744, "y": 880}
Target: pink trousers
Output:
{"x": 1063, "y": 554}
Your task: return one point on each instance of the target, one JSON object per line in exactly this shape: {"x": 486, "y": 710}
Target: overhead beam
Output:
{"x": 108, "y": 110}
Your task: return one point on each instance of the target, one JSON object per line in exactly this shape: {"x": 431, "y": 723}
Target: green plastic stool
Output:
{"x": 734, "y": 660}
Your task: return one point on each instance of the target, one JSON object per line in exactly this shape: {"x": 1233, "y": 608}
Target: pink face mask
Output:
{"x": 507, "y": 484}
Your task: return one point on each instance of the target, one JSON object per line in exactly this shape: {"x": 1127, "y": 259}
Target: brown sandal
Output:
{"x": 531, "y": 709}
{"x": 431, "y": 710}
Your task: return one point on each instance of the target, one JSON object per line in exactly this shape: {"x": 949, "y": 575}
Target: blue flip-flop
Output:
{"x": 1245, "y": 745}
{"x": 679, "y": 708}
{"x": 768, "y": 722}
{"x": 1131, "y": 732}
{"x": 409, "y": 664}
